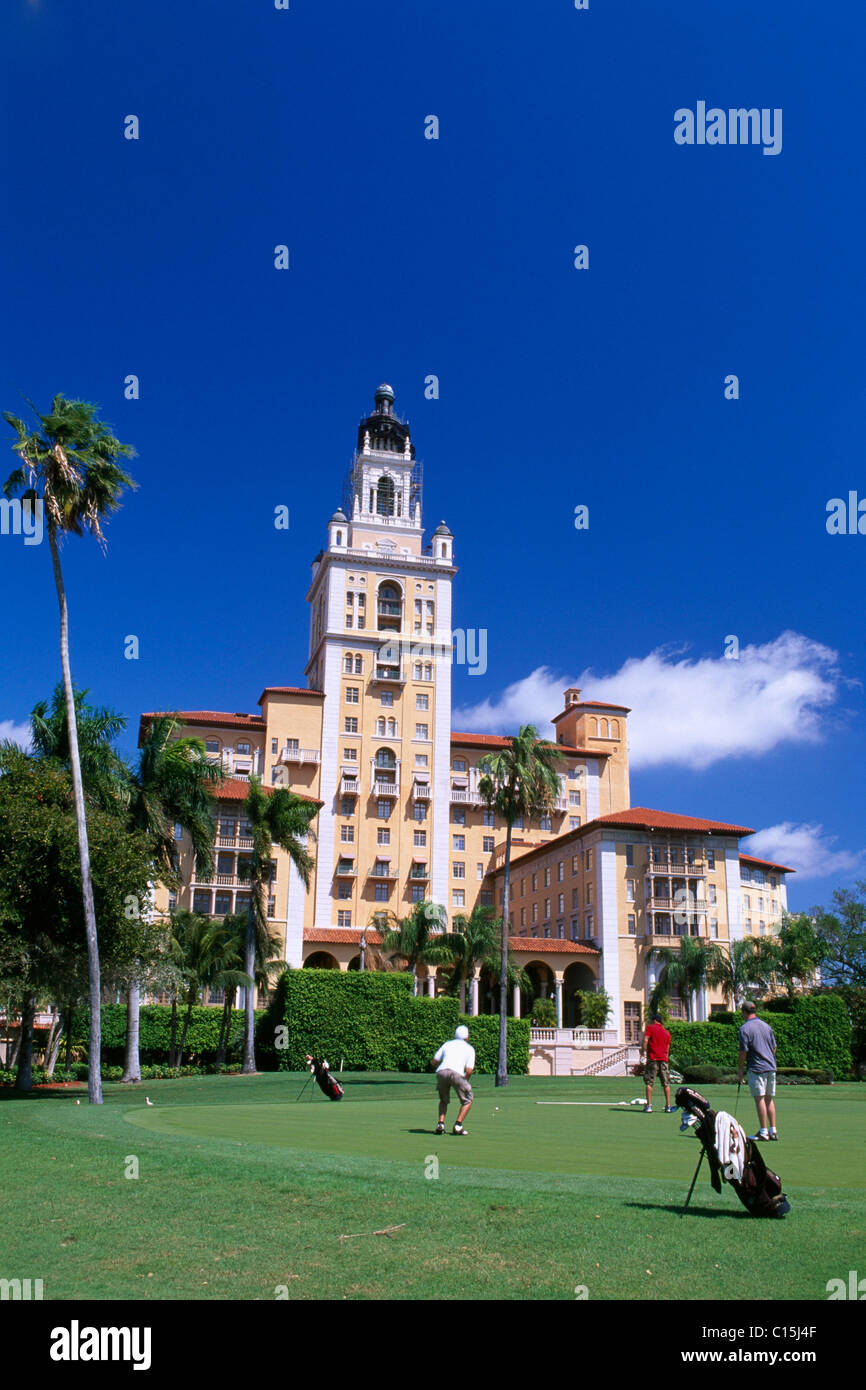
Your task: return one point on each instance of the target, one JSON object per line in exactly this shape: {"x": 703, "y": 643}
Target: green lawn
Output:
{"x": 242, "y": 1190}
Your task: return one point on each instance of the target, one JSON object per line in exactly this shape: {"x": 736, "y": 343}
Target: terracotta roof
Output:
{"x": 668, "y": 820}
{"x": 289, "y": 690}
{"x": 767, "y": 863}
{"x": 498, "y": 741}
{"x": 209, "y": 716}
{"x": 341, "y": 936}
{"x": 237, "y": 789}
{"x": 549, "y": 943}
{"x": 590, "y": 704}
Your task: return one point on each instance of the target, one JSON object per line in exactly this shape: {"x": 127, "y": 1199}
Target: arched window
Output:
{"x": 347, "y": 663}
{"x": 380, "y": 726}
{"x": 614, "y": 727}
{"x": 598, "y": 728}
{"x": 386, "y": 758}
{"x": 392, "y": 728}
{"x": 385, "y": 496}
{"x": 359, "y": 665}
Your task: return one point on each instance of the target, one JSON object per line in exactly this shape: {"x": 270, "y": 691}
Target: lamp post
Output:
{"x": 363, "y": 945}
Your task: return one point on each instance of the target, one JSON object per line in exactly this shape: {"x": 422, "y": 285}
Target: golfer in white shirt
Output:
{"x": 455, "y": 1063}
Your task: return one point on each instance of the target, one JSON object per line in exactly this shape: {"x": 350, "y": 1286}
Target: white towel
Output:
{"x": 730, "y": 1146}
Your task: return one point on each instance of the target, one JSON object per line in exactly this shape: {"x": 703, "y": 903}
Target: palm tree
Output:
{"x": 71, "y": 460}
{"x": 518, "y": 783}
{"x": 419, "y": 938}
{"x": 173, "y": 785}
{"x": 476, "y": 940}
{"x": 740, "y": 970}
{"x": 230, "y": 939}
{"x": 686, "y": 968}
{"x": 203, "y": 964}
{"x": 276, "y": 817}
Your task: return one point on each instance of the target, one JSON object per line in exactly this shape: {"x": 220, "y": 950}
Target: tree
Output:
{"x": 686, "y": 968}
{"x": 477, "y": 944}
{"x": 844, "y": 934}
{"x": 518, "y": 783}
{"x": 740, "y": 971}
{"x": 70, "y": 472}
{"x": 795, "y": 953}
{"x": 420, "y": 938}
{"x": 201, "y": 957}
{"x": 279, "y": 818}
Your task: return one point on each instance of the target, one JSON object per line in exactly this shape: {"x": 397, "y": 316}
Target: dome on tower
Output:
{"x": 383, "y": 430}
{"x": 339, "y": 515}
{"x": 442, "y": 530}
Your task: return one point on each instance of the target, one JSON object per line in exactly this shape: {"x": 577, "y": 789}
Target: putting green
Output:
{"x": 509, "y": 1130}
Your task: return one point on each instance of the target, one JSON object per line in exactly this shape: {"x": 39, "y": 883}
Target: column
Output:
{"x": 431, "y": 985}
{"x": 473, "y": 992}
{"x": 515, "y": 1003}
{"x": 558, "y": 974}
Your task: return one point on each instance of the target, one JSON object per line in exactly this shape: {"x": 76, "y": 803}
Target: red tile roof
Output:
{"x": 237, "y": 789}
{"x": 498, "y": 741}
{"x": 289, "y": 690}
{"x": 341, "y": 936}
{"x": 668, "y": 820}
{"x": 209, "y": 716}
{"x": 767, "y": 863}
{"x": 590, "y": 704}
{"x": 549, "y": 943}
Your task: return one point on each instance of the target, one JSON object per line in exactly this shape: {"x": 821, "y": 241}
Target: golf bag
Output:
{"x": 324, "y": 1080}
{"x": 734, "y": 1158}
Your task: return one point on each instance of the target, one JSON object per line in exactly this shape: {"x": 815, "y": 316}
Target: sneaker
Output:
{"x": 440, "y": 1128}
{"x": 760, "y": 1138}
{"x": 458, "y": 1129}
{"x": 647, "y": 1110}
{"x": 773, "y": 1135}
{"x": 670, "y": 1109}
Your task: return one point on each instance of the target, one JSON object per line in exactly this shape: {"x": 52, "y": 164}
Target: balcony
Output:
{"x": 469, "y": 796}
{"x": 391, "y": 675}
{"x": 346, "y": 869}
{"x": 382, "y": 872}
{"x": 292, "y": 754}
{"x": 389, "y": 608}
{"x": 419, "y": 872}
{"x": 421, "y": 791}
{"x": 669, "y": 869}
{"x": 690, "y": 905}
{"x": 349, "y": 786}
{"x": 386, "y": 789}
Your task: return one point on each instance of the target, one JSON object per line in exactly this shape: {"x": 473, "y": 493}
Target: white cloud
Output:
{"x": 15, "y": 733}
{"x": 805, "y": 848}
{"x": 690, "y": 712}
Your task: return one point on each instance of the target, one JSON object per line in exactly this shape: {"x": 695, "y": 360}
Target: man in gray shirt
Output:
{"x": 758, "y": 1057}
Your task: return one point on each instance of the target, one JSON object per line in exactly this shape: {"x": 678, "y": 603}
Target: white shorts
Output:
{"x": 762, "y": 1083}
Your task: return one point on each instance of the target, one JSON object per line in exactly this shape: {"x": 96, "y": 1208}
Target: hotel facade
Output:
{"x": 596, "y": 884}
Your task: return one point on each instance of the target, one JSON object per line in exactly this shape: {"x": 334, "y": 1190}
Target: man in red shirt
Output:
{"x": 657, "y": 1043}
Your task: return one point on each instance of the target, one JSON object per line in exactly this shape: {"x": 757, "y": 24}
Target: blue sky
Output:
{"x": 558, "y": 387}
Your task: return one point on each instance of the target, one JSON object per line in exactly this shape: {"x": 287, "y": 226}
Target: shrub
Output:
{"x": 544, "y": 1013}
{"x": 202, "y": 1040}
{"x": 484, "y": 1037}
{"x": 595, "y": 1007}
{"x": 711, "y": 1076}
{"x": 815, "y": 1031}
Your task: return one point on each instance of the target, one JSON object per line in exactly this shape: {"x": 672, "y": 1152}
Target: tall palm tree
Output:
{"x": 740, "y": 970}
{"x": 477, "y": 945}
{"x": 173, "y": 784}
{"x": 69, "y": 468}
{"x": 276, "y": 817}
{"x": 418, "y": 937}
{"x": 203, "y": 963}
{"x": 230, "y": 938}
{"x": 518, "y": 783}
{"x": 686, "y": 968}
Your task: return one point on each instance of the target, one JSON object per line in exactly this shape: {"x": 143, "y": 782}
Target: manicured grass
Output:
{"x": 242, "y": 1190}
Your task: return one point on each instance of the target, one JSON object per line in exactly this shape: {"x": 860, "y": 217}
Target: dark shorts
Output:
{"x": 446, "y": 1079}
{"x": 654, "y": 1069}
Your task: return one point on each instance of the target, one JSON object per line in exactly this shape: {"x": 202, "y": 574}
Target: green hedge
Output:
{"x": 371, "y": 1021}
{"x": 484, "y": 1037}
{"x": 154, "y": 1038}
{"x": 815, "y": 1033}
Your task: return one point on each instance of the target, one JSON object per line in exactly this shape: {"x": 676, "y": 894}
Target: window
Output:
{"x": 575, "y": 863}
{"x": 575, "y": 929}
{"x": 588, "y": 894}
{"x": 458, "y": 842}
{"x": 479, "y": 871}
{"x": 714, "y": 927}
{"x": 574, "y": 822}
{"x": 749, "y": 925}
{"x": 574, "y": 798}
{"x": 488, "y": 819}
{"x": 421, "y": 760}
{"x": 273, "y": 746}
{"x": 172, "y": 901}
{"x": 547, "y": 878}
{"x": 458, "y": 815}
{"x": 382, "y": 893}
{"x": 534, "y": 882}
{"x": 523, "y": 916}
{"x": 547, "y": 907}
{"x": 712, "y": 892}
{"x": 347, "y": 663}
{"x": 222, "y": 904}
{"x": 559, "y": 871}
{"x": 587, "y": 926}
{"x": 711, "y": 858}
{"x": 419, "y": 811}
{"x": 362, "y": 599}
{"x": 747, "y": 902}
{"x": 459, "y": 870}
{"x": 201, "y": 903}
{"x": 344, "y": 919}
{"x": 346, "y": 806}
{"x": 458, "y": 898}
{"x": 350, "y": 755}
{"x": 545, "y": 823}
{"x": 459, "y": 764}
{"x": 212, "y": 745}
{"x": 587, "y": 859}
{"x": 351, "y": 724}
{"x": 417, "y": 892}
{"x": 629, "y": 890}
{"x": 523, "y": 888}
{"x": 387, "y": 698}
{"x": 486, "y": 897}
{"x": 244, "y": 750}
{"x": 350, "y": 599}
{"x": 632, "y": 1023}
{"x": 518, "y": 822}
{"x": 575, "y": 899}
{"x": 631, "y": 924}
{"x": 560, "y": 907}
{"x": 383, "y": 836}
{"x": 535, "y": 912}
{"x": 421, "y": 730}
{"x": 629, "y": 856}
{"x": 349, "y": 620}
{"x": 487, "y": 844}
{"x": 773, "y": 883}
{"x": 351, "y": 694}
{"x": 347, "y": 834}
{"x": 422, "y": 701}
{"x": 383, "y": 809}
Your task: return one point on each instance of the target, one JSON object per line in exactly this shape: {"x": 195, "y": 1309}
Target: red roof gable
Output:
{"x": 237, "y": 789}
{"x": 289, "y": 690}
{"x": 767, "y": 863}
{"x": 669, "y": 820}
{"x": 209, "y": 716}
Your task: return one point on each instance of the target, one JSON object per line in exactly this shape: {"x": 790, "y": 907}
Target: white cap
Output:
{"x": 462, "y": 1032}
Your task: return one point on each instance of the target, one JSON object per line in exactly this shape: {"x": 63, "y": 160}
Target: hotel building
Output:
{"x": 596, "y": 883}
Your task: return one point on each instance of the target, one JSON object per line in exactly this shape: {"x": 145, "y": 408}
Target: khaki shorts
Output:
{"x": 762, "y": 1083}
{"x": 653, "y": 1069}
{"x": 446, "y": 1079}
